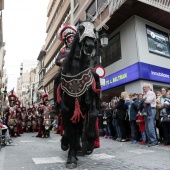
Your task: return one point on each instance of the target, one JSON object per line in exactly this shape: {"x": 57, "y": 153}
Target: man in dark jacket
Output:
{"x": 121, "y": 115}
{"x": 133, "y": 118}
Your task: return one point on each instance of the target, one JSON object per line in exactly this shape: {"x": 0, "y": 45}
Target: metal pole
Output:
{"x": 97, "y": 48}
{"x": 71, "y": 11}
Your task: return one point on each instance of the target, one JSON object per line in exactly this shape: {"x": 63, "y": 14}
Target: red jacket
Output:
{"x": 141, "y": 123}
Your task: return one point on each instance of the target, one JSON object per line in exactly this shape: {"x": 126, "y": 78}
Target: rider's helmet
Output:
{"x": 29, "y": 110}
{"x": 23, "y": 108}
{"x": 45, "y": 98}
{"x": 33, "y": 108}
{"x": 12, "y": 97}
{"x": 66, "y": 34}
{"x": 17, "y": 102}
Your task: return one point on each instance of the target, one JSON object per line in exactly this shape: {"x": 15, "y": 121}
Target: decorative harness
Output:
{"x": 77, "y": 85}
{"x": 88, "y": 32}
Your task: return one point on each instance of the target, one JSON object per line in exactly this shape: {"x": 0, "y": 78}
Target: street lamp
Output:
{"x": 103, "y": 42}
{"x": 104, "y": 39}
{"x": 5, "y": 93}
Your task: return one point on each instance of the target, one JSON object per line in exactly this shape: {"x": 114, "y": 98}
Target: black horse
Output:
{"x": 78, "y": 93}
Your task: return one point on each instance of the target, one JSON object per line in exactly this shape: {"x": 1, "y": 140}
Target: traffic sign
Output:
{"x": 100, "y": 71}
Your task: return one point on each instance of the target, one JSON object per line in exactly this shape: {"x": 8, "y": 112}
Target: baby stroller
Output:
{"x": 4, "y": 134}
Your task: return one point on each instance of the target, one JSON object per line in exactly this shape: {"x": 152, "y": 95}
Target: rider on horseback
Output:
{"x": 66, "y": 34}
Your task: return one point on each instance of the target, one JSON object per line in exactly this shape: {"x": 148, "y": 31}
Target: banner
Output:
{"x": 137, "y": 71}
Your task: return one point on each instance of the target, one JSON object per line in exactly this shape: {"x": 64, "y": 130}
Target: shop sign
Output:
{"x": 137, "y": 71}
{"x": 151, "y": 72}
{"x": 123, "y": 76}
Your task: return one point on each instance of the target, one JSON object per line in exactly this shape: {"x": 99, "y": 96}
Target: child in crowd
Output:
{"x": 141, "y": 122}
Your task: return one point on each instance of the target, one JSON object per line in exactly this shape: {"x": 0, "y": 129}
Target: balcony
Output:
{"x": 1, "y": 5}
{"x": 54, "y": 48}
{"x": 157, "y": 11}
{"x": 54, "y": 29}
{"x": 49, "y": 76}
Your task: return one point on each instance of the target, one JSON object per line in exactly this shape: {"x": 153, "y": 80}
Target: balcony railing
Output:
{"x": 161, "y": 4}
{"x": 114, "y": 5}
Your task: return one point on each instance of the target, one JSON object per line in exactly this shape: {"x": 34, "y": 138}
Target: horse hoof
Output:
{"x": 71, "y": 165}
{"x": 71, "y": 162}
{"x": 89, "y": 152}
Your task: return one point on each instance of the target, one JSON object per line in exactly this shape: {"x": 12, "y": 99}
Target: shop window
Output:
{"x": 112, "y": 52}
{"x": 158, "y": 41}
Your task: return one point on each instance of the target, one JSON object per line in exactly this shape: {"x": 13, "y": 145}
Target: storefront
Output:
{"x": 117, "y": 82}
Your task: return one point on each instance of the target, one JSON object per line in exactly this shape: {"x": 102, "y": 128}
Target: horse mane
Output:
{"x": 67, "y": 63}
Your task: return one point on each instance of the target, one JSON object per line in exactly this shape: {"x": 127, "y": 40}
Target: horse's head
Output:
{"x": 87, "y": 37}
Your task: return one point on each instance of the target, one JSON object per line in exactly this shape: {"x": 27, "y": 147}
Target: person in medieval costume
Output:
{"x": 34, "y": 119}
{"x": 29, "y": 120}
{"x": 12, "y": 115}
{"x": 66, "y": 35}
{"x": 23, "y": 114}
{"x": 18, "y": 117}
{"x": 46, "y": 115}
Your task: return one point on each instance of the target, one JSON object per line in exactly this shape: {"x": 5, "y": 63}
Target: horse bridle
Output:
{"x": 88, "y": 31}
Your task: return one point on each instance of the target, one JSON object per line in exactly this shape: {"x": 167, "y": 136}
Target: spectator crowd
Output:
{"x": 142, "y": 118}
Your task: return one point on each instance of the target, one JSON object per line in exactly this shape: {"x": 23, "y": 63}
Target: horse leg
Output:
{"x": 90, "y": 132}
{"x": 89, "y": 135}
{"x": 80, "y": 151}
{"x": 72, "y": 135}
{"x": 64, "y": 124}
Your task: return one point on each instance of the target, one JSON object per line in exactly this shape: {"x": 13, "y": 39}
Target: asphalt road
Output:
{"x": 31, "y": 153}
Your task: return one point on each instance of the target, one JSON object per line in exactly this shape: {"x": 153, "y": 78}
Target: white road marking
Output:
{"x": 26, "y": 141}
{"x": 141, "y": 151}
{"x": 53, "y": 140}
{"x": 101, "y": 156}
{"x": 47, "y": 160}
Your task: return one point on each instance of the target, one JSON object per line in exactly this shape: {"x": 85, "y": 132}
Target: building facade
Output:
{"x": 58, "y": 13}
{"x": 2, "y": 44}
{"x": 139, "y": 46}
{"x": 41, "y": 73}
{"x": 138, "y": 49}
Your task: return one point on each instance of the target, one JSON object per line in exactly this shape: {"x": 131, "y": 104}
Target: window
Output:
{"x": 102, "y": 2}
{"x": 112, "y": 52}
{"x": 91, "y": 10}
{"x": 158, "y": 41}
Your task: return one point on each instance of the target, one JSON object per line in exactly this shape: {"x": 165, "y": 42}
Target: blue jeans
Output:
{"x": 134, "y": 130}
{"x": 143, "y": 134}
{"x": 117, "y": 127}
{"x": 150, "y": 127}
